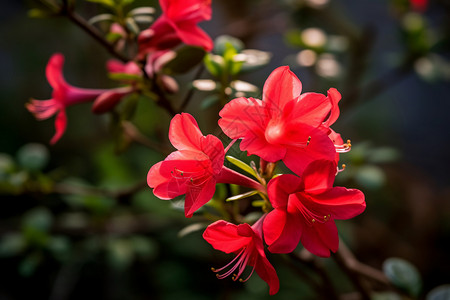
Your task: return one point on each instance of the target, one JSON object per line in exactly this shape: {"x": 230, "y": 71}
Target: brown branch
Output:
{"x": 89, "y": 29}
{"x": 133, "y": 132}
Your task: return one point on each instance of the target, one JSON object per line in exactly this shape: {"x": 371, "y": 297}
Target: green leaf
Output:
{"x": 144, "y": 10}
{"x": 191, "y": 228}
{"x": 107, "y": 3}
{"x": 102, "y": 18}
{"x": 204, "y": 84}
{"x": 39, "y": 218}
{"x": 258, "y": 203}
{"x": 132, "y": 26}
{"x": 370, "y": 176}
{"x": 253, "y": 59}
{"x": 242, "y": 165}
{"x": 33, "y": 157}
{"x": 214, "y": 64}
{"x": 224, "y": 42}
{"x": 441, "y": 292}
{"x": 186, "y": 58}
{"x": 242, "y": 196}
{"x": 39, "y": 13}
{"x": 403, "y": 275}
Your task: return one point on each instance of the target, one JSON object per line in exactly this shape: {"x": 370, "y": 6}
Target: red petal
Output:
{"x": 184, "y": 133}
{"x": 334, "y": 97}
{"x": 197, "y": 196}
{"x": 242, "y": 116}
{"x": 280, "y": 87}
{"x": 191, "y": 34}
{"x": 192, "y": 10}
{"x": 279, "y": 189}
{"x": 343, "y": 203}
{"x": 60, "y": 126}
{"x": 282, "y": 231}
{"x": 223, "y": 236}
{"x": 54, "y": 71}
{"x": 213, "y": 148}
{"x": 319, "y": 176}
{"x": 321, "y": 238}
{"x": 310, "y": 109}
{"x": 267, "y": 273}
{"x": 319, "y": 147}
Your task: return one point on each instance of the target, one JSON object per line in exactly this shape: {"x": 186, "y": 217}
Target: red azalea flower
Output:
{"x": 195, "y": 168}
{"x": 177, "y": 24}
{"x": 284, "y": 124}
{"x": 305, "y": 209}
{"x": 246, "y": 242}
{"x": 63, "y": 95}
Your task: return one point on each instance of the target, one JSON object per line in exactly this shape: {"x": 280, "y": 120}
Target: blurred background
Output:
{"x": 78, "y": 221}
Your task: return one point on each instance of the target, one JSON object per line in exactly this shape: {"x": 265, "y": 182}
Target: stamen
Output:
{"x": 340, "y": 170}
{"x": 312, "y": 217}
{"x": 242, "y": 260}
{"x": 229, "y": 145}
{"x": 344, "y": 147}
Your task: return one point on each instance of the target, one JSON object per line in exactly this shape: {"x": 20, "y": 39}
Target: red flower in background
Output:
{"x": 177, "y": 24}
{"x": 284, "y": 125}
{"x": 63, "y": 95}
{"x": 246, "y": 242}
{"x": 305, "y": 209}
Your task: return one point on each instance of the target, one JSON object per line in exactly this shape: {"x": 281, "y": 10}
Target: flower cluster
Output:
{"x": 286, "y": 126}
{"x": 176, "y": 25}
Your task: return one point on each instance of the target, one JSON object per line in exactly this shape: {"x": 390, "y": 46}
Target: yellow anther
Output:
{"x": 313, "y": 220}
{"x": 213, "y": 269}
{"x": 309, "y": 140}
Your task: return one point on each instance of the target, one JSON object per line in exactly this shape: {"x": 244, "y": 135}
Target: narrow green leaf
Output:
{"x": 242, "y": 196}
{"x": 101, "y": 18}
{"x": 258, "y": 203}
{"x": 242, "y": 165}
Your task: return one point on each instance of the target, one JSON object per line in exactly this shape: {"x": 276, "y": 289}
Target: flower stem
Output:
{"x": 228, "y": 175}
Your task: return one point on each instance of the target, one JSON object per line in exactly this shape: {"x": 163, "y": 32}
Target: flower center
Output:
{"x": 191, "y": 178}
{"x": 311, "y": 216}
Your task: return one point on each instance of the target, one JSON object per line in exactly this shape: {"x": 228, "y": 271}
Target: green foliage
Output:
{"x": 403, "y": 275}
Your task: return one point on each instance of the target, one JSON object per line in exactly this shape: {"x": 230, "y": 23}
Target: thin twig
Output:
{"x": 92, "y": 31}
{"x": 133, "y": 132}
